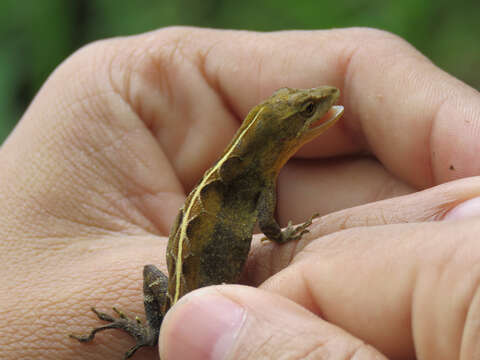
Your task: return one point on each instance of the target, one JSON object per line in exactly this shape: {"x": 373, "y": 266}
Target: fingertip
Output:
{"x": 466, "y": 209}
{"x": 203, "y": 325}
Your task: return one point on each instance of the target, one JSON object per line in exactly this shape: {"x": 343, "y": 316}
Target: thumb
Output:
{"x": 240, "y": 322}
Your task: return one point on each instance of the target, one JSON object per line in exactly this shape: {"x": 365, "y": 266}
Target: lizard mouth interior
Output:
{"x": 322, "y": 124}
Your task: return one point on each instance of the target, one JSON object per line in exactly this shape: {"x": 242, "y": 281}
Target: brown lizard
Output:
{"x": 210, "y": 239}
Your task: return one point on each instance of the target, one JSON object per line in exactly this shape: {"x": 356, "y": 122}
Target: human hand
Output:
{"x": 386, "y": 273}
{"x": 97, "y": 169}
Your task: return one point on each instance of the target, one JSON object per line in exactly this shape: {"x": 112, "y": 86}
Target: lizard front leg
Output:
{"x": 269, "y": 226}
{"x": 154, "y": 298}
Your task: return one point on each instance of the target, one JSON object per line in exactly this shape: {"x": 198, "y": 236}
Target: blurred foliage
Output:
{"x": 37, "y": 35}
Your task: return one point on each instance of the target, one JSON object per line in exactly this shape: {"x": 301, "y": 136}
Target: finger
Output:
{"x": 327, "y": 186}
{"x": 427, "y": 205}
{"x": 318, "y": 192}
{"x": 454, "y": 199}
{"x": 404, "y": 288}
{"x": 421, "y": 123}
{"x": 233, "y": 322}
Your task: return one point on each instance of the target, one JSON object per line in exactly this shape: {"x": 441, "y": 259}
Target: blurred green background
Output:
{"x": 37, "y": 35}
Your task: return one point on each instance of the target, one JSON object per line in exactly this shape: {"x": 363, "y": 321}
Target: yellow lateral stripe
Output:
{"x": 183, "y": 227}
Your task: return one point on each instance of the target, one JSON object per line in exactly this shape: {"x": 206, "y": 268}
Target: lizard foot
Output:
{"x": 295, "y": 233}
{"x": 135, "y": 328}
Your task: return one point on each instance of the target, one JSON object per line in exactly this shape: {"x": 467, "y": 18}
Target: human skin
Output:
{"x": 94, "y": 174}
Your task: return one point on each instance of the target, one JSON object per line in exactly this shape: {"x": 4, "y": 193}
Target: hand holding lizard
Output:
{"x": 97, "y": 169}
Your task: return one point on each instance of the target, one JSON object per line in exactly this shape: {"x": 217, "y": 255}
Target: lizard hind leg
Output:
{"x": 154, "y": 290}
{"x": 132, "y": 327}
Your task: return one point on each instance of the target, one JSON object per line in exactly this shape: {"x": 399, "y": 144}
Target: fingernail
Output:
{"x": 203, "y": 325}
{"x": 469, "y": 208}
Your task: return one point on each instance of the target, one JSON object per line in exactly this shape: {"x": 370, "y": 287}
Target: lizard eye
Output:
{"x": 309, "y": 109}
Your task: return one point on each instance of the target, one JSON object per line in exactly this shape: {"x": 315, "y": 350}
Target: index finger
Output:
{"x": 419, "y": 121}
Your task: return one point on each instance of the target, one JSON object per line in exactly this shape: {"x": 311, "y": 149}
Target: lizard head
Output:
{"x": 280, "y": 125}
{"x": 303, "y": 114}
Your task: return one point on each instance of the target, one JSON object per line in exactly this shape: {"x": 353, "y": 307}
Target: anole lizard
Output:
{"x": 210, "y": 239}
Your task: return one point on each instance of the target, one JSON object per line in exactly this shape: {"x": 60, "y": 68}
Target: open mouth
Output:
{"x": 322, "y": 124}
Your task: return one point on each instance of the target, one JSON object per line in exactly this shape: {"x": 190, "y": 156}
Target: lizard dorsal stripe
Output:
{"x": 196, "y": 194}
